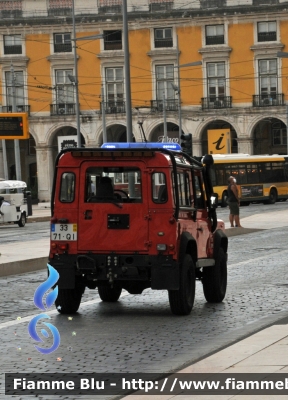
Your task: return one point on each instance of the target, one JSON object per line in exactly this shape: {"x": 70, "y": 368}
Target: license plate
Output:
{"x": 64, "y": 232}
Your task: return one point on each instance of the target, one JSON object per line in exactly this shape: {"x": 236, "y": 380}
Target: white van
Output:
{"x": 13, "y": 205}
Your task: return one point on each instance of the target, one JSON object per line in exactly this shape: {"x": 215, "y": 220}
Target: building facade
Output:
{"x": 241, "y": 85}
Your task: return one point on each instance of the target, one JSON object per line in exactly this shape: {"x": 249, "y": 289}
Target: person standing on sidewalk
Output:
{"x": 233, "y": 202}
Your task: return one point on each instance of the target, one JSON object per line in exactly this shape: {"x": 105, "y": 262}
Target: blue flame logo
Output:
{"x": 44, "y": 304}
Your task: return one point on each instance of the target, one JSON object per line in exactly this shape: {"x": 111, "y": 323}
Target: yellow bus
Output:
{"x": 260, "y": 178}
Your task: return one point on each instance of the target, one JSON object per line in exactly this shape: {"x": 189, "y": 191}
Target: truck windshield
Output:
{"x": 104, "y": 184}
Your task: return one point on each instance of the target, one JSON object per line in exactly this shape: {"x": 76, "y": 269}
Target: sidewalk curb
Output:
{"x": 36, "y": 264}
{"x": 23, "y": 266}
{"x": 38, "y": 219}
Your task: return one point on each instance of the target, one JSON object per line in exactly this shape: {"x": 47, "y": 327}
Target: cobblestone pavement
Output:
{"x": 139, "y": 334}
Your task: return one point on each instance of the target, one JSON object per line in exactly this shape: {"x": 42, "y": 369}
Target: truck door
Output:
{"x": 112, "y": 207}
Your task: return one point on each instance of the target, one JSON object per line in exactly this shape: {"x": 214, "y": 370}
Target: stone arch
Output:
{"x": 217, "y": 123}
{"x": 269, "y": 136}
{"x": 66, "y": 130}
{"x": 156, "y": 131}
{"x": 257, "y": 119}
{"x": 115, "y": 133}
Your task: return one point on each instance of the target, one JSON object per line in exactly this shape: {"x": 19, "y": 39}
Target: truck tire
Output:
{"x": 22, "y": 220}
{"x": 68, "y": 300}
{"x": 272, "y": 196}
{"x": 215, "y": 279}
{"x": 109, "y": 294}
{"x": 182, "y": 300}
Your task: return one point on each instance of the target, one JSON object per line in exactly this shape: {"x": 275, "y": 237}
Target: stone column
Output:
{"x": 197, "y": 147}
{"x": 1, "y": 161}
{"x": 245, "y": 145}
{"x": 45, "y": 172}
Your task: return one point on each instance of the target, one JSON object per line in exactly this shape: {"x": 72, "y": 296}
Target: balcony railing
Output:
{"x": 170, "y": 105}
{"x": 163, "y": 43}
{"x": 62, "y": 47}
{"x": 212, "y": 3}
{"x": 216, "y": 102}
{"x": 113, "y": 107}
{"x": 264, "y": 2}
{"x": 268, "y": 100}
{"x": 11, "y": 13}
{"x": 267, "y": 36}
{"x": 16, "y": 49}
{"x": 59, "y": 12}
{"x": 63, "y": 109}
{"x": 20, "y": 108}
{"x": 165, "y": 6}
{"x": 217, "y": 39}
{"x": 116, "y": 8}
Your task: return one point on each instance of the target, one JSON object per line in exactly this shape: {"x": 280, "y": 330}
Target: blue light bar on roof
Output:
{"x": 149, "y": 145}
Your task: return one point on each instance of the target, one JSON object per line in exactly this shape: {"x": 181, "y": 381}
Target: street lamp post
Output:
{"x": 178, "y": 88}
{"x": 129, "y": 132}
{"x": 74, "y": 78}
{"x": 164, "y": 118}
{"x": 16, "y": 141}
{"x": 283, "y": 54}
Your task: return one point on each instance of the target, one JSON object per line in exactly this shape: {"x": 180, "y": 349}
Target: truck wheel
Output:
{"x": 215, "y": 279}
{"x": 22, "y": 220}
{"x": 272, "y": 196}
{"x": 182, "y": 300}
{"x": 109, "y": 294}
{"x": 68, "y": 300}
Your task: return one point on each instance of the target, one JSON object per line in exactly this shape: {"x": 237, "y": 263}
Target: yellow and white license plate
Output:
{"x": 63, "y": 231}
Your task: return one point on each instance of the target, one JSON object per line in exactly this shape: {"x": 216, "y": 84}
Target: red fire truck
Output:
{"x": 134, "y": 216}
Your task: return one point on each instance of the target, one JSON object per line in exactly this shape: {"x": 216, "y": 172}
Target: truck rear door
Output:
{"x": 113, "y": 207}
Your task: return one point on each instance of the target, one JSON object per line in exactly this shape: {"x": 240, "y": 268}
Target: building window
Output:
{"x": 114, "y": 87}
{"x": 214, "y": 34}
{"x": 216, "y": 80}
{"x": 267, "y": 80}
{"x": 164, "y": 81}
{"x": 279, "y": 134}
{"x": 163, "y": 37}
{"x": 31, "y": 146}
{"x": 12, "y": 44}
{"x": 267, "y": 31}
{"x": 279, "y": 137}
{"x": 16, "y": 82}
{"x": 62, "y": 43}
{"x": 112, "y": 40}
{"x": 64, "y": 90}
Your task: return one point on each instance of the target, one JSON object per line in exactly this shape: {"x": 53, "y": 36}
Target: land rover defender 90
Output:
{"x": 134, "y": 216}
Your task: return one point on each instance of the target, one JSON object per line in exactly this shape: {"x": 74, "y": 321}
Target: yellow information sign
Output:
{"x": 14, "y": 126}
{"x": 219, "y": 141}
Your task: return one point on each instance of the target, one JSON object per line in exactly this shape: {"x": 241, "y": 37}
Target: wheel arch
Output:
{"x": 188, "y": 245}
